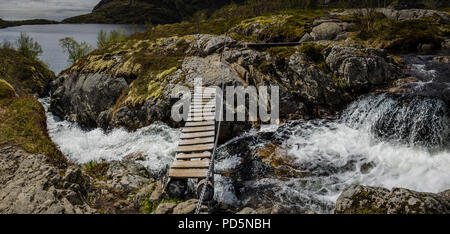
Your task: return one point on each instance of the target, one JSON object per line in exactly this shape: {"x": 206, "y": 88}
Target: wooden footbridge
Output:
{"x": 195, "y": 152}
{"x": 193, "y": 155}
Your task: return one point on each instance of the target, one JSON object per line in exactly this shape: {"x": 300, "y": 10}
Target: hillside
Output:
{"x": 23, "y": 118}
{"x": 5, "y": 24}
{"x": 145, "y": 11}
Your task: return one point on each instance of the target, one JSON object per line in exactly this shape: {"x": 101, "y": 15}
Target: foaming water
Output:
{"x": 378, "y": 141}
{"x": 155, "y": 143}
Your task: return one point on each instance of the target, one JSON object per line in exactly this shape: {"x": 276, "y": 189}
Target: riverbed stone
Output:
{"x": 357, "y": 199}
{"x": 329, "y": 30}
{"x": 165, "y": 208}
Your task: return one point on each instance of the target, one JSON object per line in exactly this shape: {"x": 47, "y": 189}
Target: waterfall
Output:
{"x": 378, "y": 141}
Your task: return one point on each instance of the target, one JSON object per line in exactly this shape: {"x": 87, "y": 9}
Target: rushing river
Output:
{"x": 156, "y": 143}
{"x": 48, "y": 37}
{"x": 377, "y": 141}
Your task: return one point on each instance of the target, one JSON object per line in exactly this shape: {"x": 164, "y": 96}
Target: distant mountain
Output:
{"x": 144, "y": 11}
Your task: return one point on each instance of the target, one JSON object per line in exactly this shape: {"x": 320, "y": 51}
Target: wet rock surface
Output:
{"x": 88, "y": 96}
{"x": 361, "y": 68}
{"x": 358, "y": 199}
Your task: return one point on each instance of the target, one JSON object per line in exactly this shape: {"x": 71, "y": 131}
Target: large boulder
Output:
{"x": 358, "y": 199}
{"x": 127, "y": 176}
{"x": 82, "y": 97}
{"x": 359, "y": 69}
{"x": 329, "y": 30}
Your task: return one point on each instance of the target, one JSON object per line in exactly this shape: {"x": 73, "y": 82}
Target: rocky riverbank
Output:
{"x": 340, "y": 94}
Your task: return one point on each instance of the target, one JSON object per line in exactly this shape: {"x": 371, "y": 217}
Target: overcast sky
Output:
{"x": 44, "y": 9}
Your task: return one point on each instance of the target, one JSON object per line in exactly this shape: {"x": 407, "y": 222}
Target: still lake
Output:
{"x": 48, "y": 37}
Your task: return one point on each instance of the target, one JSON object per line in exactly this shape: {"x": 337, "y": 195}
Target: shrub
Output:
{"x": 7, "y": 45}
{"x": 104, "y": 39}
{"x": 28, "y": 47}
{"x": 74, "y": 49}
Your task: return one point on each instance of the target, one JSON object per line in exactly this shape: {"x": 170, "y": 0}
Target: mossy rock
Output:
{"x": 24, "y": 124}
{"x": 6, "y": 90}
{"x": 28, "y": 76}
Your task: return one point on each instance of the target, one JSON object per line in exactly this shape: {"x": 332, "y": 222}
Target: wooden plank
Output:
{"x": 197, "y": 124}
{"x": 202, "y": 103}
{"x": 204, "y": 94}
{"x": 205, "y": 154}
{"x": 195, "y": 148}
{"x": 212, "y": 104}
{"x": 191, "y": 164}
{"x": 197, "y": 135}
{"x": 197, "y": 109}
{"x": 200, "y": 114}
{"x": 199, "y": 129}
{"x": 196, "y": 141}
{"x": 202, "y": 106}
{"x": 204, "y": 118}
{"x": 205, "y": 88}
{"x": 198, "y": 98}
{"x": 205, "y": 91}
{"x": 203, "y": 100}
{"x": 188, "y": 173}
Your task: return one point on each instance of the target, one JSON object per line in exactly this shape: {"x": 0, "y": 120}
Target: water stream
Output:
{"x": 378, "y": 141}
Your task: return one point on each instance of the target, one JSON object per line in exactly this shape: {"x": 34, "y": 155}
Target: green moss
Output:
{"x": 23, "y": 120}
{"x": 6, "y": 90}
{"x": 148, "y": 207}
{"x": 26, "y": 75}
{"x": 339, "y": 82}
{"x": 96, "y": 169}
{"x": 281, "y": 26}
{"x": 24, "y": 124}
{"x": 313, "y": 51}
{"x": 403, "y": 35}
{"x": 282, "y": 52}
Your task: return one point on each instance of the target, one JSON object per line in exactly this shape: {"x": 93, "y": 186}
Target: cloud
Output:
{"x": 47, "y": 9}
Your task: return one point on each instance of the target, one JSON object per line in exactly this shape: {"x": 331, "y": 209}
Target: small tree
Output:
{"x": 197, "y": 19}
{"x": 367, "y": 15}
{"x": 27, "y": 46}
{"x": 74, "y": 49}
{"x": 102, "y": 39}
